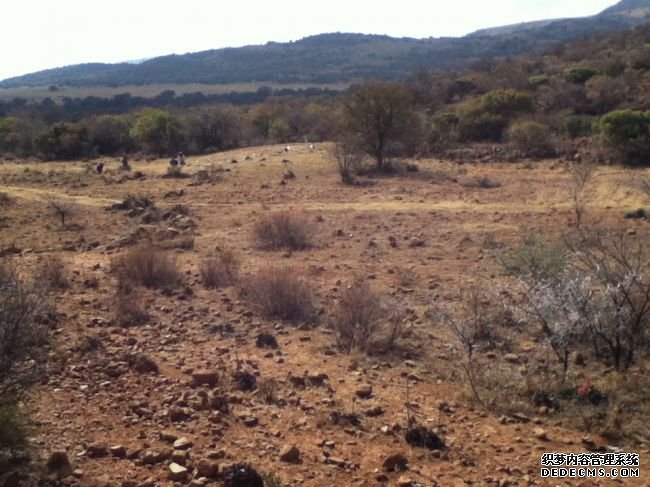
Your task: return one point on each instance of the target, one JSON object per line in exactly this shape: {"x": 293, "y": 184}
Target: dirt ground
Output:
{"x": 92, "y": 400}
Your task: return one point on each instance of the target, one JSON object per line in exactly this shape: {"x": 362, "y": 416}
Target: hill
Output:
{"x": 341, "y": 57}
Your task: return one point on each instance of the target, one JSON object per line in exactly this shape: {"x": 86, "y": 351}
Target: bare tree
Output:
{"x": 580, "y": 175}
{"x": 349, "y": 157}
{"x": 62, "y": 209}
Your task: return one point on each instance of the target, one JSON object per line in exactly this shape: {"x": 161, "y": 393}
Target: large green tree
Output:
{"x": 157, "y": 131}
{"x": 379, "y": 115}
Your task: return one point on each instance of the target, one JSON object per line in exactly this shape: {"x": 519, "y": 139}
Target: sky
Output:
{"x": 42, "y": 34}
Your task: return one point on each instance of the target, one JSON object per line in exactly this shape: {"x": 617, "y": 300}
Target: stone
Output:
{"x": 58, "y": 461}
{"x": 205, "y": 377}
{"x": 540, "y": 434}
{"x": 118, "y": 451}
{"x": 182, "y": 444}
{"x": 290, "y": 454}
{"x": 97, "y": 450}
{"x": 404, "y": 481}
{"x": 177, "y": 472}
{"x": 396, "y": 462}
{"x": 364, "y": 392}
{"x": 208, "y": 468}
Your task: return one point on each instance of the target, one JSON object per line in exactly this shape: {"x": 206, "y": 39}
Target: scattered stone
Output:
{"x": 182, "y": 444}
{"x": 96, "y": 450}
{"x": 364, "y": 392}
{"x": 118, "y": 451}
{"x": 540, "y": 434}
{"x": 208, "y": 468}
{"x": 177, "y": 472}
{"x": 205, "y": 377}
{"x": 266, "y": 340}
{"x": 59, "y": 462}
{"x": 290, "y": 454}
{"x": 404, "y": 481}
{"x": 422, "y": 437}
{"x": 396, "y": 462}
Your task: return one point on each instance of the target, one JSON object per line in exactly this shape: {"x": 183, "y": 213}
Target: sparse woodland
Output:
{"x": 432, "y": 280}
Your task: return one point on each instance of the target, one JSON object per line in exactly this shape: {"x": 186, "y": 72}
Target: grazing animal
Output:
{"x": 173, "y": 163}
{"x": 181, "y": 158}
{"x": 99, "y": 168}
{"x": 125, "y": 164}
{"x": 287, "y": 148}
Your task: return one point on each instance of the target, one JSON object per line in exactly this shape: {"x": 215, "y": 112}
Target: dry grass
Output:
{"x": 220, "y": 269}
{"x": 129, "y": 308}
{"x": 52, "y": 273}
{"x": 363, "y": 321}
{"x": 148, "y": 266}
{"x": 283, "y": 230}
{"x": 281, "y": 292}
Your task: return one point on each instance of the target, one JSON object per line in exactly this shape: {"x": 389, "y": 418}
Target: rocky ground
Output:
{"x": 184, "y": 397}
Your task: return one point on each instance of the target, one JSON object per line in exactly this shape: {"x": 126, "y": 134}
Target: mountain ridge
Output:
{"x": 341, "y": 57}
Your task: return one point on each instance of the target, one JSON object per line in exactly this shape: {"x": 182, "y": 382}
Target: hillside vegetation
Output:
{"x": 538, "y": 105}
{"x": 341, "y": 57}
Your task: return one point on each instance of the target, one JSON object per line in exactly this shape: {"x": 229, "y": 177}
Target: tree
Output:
{"x": 61, "y": 208}
{"x": 109, "y": 134}
{"x": 157, "y": 130}
{"x": 627, "y": 132}
{"x": 379, "y": 116}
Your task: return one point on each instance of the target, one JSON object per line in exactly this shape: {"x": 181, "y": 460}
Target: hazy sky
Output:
{"x": 40, "y": 34}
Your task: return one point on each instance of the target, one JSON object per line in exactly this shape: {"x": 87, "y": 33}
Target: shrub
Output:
{"x": 22, "y": 332}
{"x": 129, "y": 309}
{"x": 530, "y": 138}
{"x": 534, "y": 258}
{"x": 483, "y": 182}
{"x": 349, "y": 158}
{"x": 363, "y": 320}
{"x": 51, "y": 273}
{"x": 627, "y": 132}
{"x": 221, "y": 269}
{"x": 5, "y": 199}
{"x": 148, "y": 266}
{"x": 175, "y": 172}
{"x": 443, "y": 131}
{"x": 579, "y": 126}
{"x": 14, "y": 427}
{"x": 283, "y": 230}
{"x": 535, "y": 82}
{"x": 61, "y": 209}
{"x": 580, "y": 75}
{"x": 280, "y": 292}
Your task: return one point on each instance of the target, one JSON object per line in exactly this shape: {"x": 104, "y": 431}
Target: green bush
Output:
{"x": 531, "y": 138}
{"x": 536, "y": 81}
{"x": 443, "y": 130}
{"x": 627, "y": 132}
{"x": 579, "y": 126}
{"x": 580, "y": 75}
{"x": 487, "y": 117}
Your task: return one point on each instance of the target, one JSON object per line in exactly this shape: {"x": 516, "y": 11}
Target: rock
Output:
{"x": 208, "y": 468}
{"x": 540, "y": 434}
{"x": 290, "y": 454}
{"x": 182, "y": 444}
{"x": 97, "y": 450}
{"x": 177, "y": 472}
{"x": 404, "y": 481}
{"x": 396, "y": 462}
{"x": 153, "y": 457}
{"x": 416, "y": 242}
{"x": 364, "y": 392}
{"x": 59, "y": 462}
{"x": 512, "y": 358}
{"x": 205, "y": 377}
{"x": 118, "y": 451}
{"x": 177, "y": 414}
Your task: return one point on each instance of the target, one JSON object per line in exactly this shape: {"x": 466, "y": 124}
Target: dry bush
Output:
{"x": 62, "y": 209}
{"x": 580, "y": 176}
{"x": 175, "y": 172}
{"x": 129, "y": 308}
{"x": 221, "y": 269}
{"x": 278, "y": 291}
{"x": 22, "y": 333}
{"x": 51, "y": 273}
{"x": 267, "y": 390}
{"x": 362, "y": 320}
{"x": 534, "y": 258}
{"x": 482, "y": 182}
{"x": 210, "y": 174}
{"x": 283, "y": 230}
{"x": 5, "y": 199}
{"x": 148, "y": 266}
{"x": 183, "y": 242}
{"x": 349, "y": 158}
